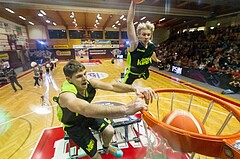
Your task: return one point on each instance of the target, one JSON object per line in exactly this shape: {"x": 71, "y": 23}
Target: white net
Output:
{"x": 155, "y": 148}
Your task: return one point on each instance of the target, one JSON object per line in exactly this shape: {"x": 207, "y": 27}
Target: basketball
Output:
{"x": 138, "y": 1}
{"x": 184, "y": 120}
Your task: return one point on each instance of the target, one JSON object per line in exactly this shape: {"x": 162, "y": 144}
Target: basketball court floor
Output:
{"x": 29, "y": 127}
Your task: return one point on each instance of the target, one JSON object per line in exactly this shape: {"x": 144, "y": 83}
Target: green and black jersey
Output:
{"x": 67, "y": 117}
{"x": 139, "y": 60}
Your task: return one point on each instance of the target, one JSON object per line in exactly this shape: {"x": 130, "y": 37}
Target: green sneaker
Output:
{"x": 115, "y": 151}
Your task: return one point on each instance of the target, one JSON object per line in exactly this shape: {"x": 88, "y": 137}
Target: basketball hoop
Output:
{"x": 223, "y": 146}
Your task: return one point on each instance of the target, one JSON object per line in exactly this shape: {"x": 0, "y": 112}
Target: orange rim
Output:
{"x": 209, "y": 145}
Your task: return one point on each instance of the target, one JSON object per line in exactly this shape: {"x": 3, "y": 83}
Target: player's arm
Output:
{"x": 114, "y": 87}
{"x": 132, "y": 37}
{"x": 154, "y": 57}
{"x": 70, "y": 101}
{"x": 147, "y": 93}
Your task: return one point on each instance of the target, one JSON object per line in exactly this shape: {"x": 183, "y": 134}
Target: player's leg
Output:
{"x": 17, "y": 83}
{"x": 84, "y": 138}
{"x": 12, "y": 84}
{"x": 104, "y": 126}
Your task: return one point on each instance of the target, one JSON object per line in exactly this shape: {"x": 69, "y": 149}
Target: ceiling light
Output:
{"x": 31, "y": 23}
{"x": 9, "y": 10}
{"x": 99, "y": 16}
{"x": 113, "y": 26}
{"x": 43, "y": 12}
{"x": 162, "y": 19}
{"x": 48, "y": 21}
{"x": 135, "y": 23}
{"x": 54, "y": 23}
{"x": 40, "y": 14}
{"x": 142, "y": 18}
{"x": 117, "y": 21}
{"x": 21, "y": 17}
{"x": 41, "y": 42}
{"x": 122, "y": 17}
{"x": 72, "y": 15}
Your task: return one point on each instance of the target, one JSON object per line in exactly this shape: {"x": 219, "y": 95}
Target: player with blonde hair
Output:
{"x": 141, "y": 50}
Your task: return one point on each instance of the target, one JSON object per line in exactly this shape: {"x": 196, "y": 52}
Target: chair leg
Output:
{"x": 71, "y": 156}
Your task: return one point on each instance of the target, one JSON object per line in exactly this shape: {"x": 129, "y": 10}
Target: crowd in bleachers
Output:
{"x": 216, "y": 50}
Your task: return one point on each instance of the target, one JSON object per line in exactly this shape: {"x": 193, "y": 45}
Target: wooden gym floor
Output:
{"x": 21, "y": 123}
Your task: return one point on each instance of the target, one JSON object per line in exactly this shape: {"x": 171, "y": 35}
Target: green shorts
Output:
{"x": 131, "y": 77}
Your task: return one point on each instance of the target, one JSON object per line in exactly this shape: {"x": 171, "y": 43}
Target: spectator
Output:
{"x": 12, "y": 76}
{"x": 36, "y": 76}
